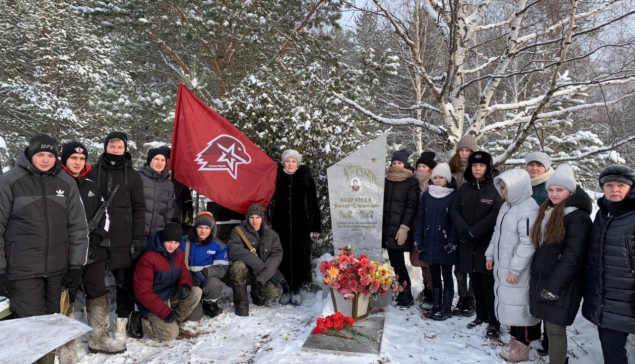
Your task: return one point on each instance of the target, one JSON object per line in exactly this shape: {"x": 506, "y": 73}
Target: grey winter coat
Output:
{"x": 511, "y": 249}
{"x": 43, "y": 229}
{"x": 267, "y": 245}
{"x": 158, "y": 191}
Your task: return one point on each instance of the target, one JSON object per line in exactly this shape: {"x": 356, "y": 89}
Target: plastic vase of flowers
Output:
{"x": 355, "y": 281}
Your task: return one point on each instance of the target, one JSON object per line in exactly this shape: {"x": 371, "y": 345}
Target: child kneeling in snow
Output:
{"x": 207, "y": 261}
{"x": 509, "y": 254}
{"x": 436, "y": 239}
{"x": 163, "y": 285}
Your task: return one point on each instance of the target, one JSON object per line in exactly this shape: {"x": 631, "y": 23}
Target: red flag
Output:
{"x": 214, "y": 158}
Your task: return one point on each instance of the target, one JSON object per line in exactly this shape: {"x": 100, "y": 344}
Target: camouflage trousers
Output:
{"x": 155, "y": 326}
{"x": 241, "y": 275}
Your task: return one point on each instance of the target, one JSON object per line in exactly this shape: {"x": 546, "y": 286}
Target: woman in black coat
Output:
{"x": 609, "y": 298}
{"x": 296, "y": 218}
{"x": 401, "y": 198}
{"x": 561, "y": 236}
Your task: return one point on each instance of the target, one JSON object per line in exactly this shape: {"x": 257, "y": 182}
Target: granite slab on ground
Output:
{"x": 371, "y": 327}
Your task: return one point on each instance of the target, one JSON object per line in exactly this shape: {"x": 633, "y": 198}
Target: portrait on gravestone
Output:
{"x": 356, "y": 185}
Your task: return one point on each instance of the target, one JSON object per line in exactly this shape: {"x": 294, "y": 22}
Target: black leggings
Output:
{"x": 398, "y": 262}
{"x": 441, "y": 269}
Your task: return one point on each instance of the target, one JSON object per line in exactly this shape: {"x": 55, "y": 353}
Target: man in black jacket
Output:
{"x": 473, "y": 214}
{"x": 258, "y": 268}
{"x": 43, "y": 231}
{"x": 74, "y": 155}
{"x": 127, "y": 219}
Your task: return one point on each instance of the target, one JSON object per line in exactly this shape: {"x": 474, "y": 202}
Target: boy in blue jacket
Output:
{"x": 207, "y": 260}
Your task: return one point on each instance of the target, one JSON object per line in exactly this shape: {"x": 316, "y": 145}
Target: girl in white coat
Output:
{"x": 509, "y": 254}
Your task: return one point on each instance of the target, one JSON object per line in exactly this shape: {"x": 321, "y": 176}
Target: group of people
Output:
{"x": 64, "y": 224}
{"x": 522, "y": 243}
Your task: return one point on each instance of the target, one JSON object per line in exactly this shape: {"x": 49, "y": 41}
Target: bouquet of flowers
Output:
{"x": 349, "y": 275}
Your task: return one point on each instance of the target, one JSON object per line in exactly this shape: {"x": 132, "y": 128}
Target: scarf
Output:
{"x": 398, "y": 174}
{"x": 423, "y": 179}
{"x": 439, "y": 191}
{"x": 542, "y": 178}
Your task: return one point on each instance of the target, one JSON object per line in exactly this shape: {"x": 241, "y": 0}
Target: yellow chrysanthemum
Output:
{"x": 333, "y": 272}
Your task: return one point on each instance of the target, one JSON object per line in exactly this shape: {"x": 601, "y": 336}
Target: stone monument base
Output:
{"x": 372, "y": 327}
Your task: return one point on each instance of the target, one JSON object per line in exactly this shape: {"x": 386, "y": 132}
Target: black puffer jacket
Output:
{"x": 267, "y": 245}
{"x": 401, "y": 200}
{"x": 43, "y": 228}
{"x": 159, "y": 199}
{"x": 474, "y": 211}
{"x": 559, "y": 267}
{"x": 127, "y": 210}
{"x": 609, "y": 298}
{"x": 92, "y": 200}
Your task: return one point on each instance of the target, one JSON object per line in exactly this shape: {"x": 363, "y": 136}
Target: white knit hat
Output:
{"x": 290, "y": 153}
{"x": 539, "y": 157}
{"x": 442, "y": 170}
{"x": 564, "y": 177}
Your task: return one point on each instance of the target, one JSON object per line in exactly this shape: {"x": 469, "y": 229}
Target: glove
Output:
{"x": 72, "y": 278}
{"x": 419, "y": 246}
{"x": 466, "y": 235}
{"x": 4, "y": 285}
{"x": 546, "y": 295}
{"x": 184, "y": 292}
{"x": 171, "y": 317}
{"x": 402, "y": 234}
{"x": 136, "y": 248}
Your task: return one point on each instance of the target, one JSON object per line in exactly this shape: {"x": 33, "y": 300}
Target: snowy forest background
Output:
{"x": 522, "y": 75}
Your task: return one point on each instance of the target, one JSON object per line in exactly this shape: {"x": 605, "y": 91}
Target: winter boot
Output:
{"x": 97, "y": 311}
{"x": 476, "y": 322}
{"x": 515, "y": 352}
{"x": 241, "y": 303}
{"x": 446, "y": 309}
{"x": 469, "y": 305}
{"x": 120, "y": 329}
{"x": 456, "y": 311}
{"x": 405, "y": 300}
{"x": 296, "y": 298}
{"x": 493, "y": 330}
{"x": 436, "y": 303}
{"x": 427, "y": 299}
{"x": 211, "y": 309}
{"x": 133, "y": 328}
{"x": 68, "y": 351}
{"x": 256, "y": 296}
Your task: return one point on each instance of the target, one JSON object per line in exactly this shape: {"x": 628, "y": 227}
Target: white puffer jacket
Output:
{"x": 511, "y": 249}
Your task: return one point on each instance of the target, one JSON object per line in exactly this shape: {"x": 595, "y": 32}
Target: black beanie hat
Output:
{"x": 73, "y": 148}
{"x": 402, "y": 156}
{"x": 478, "y": 157}
{"x": 166, "y": 151}
{"x": 42, "y": 143}
{"x": 155, "y": 152}
{"x": 172, "y": 232}
{"x": 427, "y": 158}
{"x": 116, "y": 135}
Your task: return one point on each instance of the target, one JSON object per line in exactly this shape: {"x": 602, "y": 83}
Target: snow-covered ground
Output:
{"x": 276, "y": 334}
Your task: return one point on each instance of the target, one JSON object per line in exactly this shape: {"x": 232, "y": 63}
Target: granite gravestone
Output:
{"x": 356, "y": 193}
